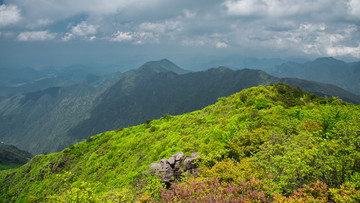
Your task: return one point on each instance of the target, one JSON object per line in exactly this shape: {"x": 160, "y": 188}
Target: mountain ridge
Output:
{"x": 325, "y": 70}
{"x": 274, "y": 139}
{"x": 75, "y": 113}
{"x": 163, "y": 65}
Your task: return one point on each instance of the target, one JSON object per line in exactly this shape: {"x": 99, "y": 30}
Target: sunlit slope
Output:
{"x": 293, "y": 138}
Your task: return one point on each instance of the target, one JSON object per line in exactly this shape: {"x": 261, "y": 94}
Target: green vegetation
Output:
{"x": 8, "y": 166}
{"x": 274, "y": 143}
{"x": 52, "y": 119}
{"x": 12, "y": 157}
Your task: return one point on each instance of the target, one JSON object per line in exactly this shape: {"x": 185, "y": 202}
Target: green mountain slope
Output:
{"x": 148, "y": 94}
{"x": 52, "y": 119}
{"x": 36, "y": 121}
{"x": 325, "y": 70}
{"x": 11, "y": 156}
{"x": 277, "y": 134}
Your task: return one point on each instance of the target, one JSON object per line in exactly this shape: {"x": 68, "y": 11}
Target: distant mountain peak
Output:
{"x": 163, "y": 65}
{"x": 327, "y": 60}
{"x": 166, "y": 61}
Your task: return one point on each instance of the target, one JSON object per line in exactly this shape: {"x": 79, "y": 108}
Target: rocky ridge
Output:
{"x": 173, "y": 168}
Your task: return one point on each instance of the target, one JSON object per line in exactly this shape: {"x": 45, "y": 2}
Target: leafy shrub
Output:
{"x": 316, "y": 192}
{"x": 230, "y": 171}
{"x": 212, "y": 190}
{"x": 346, "y": 193}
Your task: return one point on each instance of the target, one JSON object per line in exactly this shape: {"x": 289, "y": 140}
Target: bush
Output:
{"x": 213, "y": 190}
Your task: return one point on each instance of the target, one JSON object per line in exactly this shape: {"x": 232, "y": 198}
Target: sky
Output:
{"x": 64, "y": 32}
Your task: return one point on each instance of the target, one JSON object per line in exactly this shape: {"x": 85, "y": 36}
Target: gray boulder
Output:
{"x": 189, "y": 162}
{"x": 171, "y": 169}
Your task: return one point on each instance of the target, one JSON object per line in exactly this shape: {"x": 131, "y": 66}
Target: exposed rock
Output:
{"x": 177, "y": 166}
{"x": 9, "y": 177}
{"x": 189, "y": 162}
{"x": 169, "y": 175}
{"x": 156, "y": 166}
{"x": 41, "y": 174}
{"x": 171, "y": 169}
{"x": 51, "y": 166}
{"x": 32, "y": 178}
{"x": 178, "y": 156}
{"x": 171, "y": 161}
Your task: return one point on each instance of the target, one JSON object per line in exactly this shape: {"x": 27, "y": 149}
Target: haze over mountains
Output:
{"x": 325, "y": 70}
{"x": 52, "y": 119}
{"x": 18, "y": 80}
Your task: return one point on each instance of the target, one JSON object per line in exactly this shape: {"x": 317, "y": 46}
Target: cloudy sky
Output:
{"x": 50, "y": 32}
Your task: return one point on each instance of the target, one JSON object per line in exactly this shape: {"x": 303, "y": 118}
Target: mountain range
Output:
{"x": 18, "y": 80}
{"x": 50, "y": 120}
{"x": 270, "y": 143}
{"x": 324, "y": 70}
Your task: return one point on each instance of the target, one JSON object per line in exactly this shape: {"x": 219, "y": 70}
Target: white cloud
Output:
{"x": 67, "y": 37}
{"x": 354, "y": 6}
{"x": 285, "y": 8}
{"x": 145, "y": 37}
{"x": 63, "y": 9}
{"x": 135, "y": 37}
{"x": 167, "y": 26}
{"x": 344, "y": 51}
{"x": 83, "y": 30}
{"x": 36, "y": 36}
{"x": 189, "y": 14}
{"x": 318, "y": 39}
{"x": 121, "y": 36}
{"x": 9, "y": 15}
{"x": 245, "y": 7}
{"x": 284, "y": 27}
{"x": 221, "y": 45}
{"x": 209, "y": 40}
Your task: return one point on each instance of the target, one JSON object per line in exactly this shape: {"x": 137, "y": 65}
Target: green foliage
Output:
{"x": 8, "y": 166}
{"x": 346, "y": 193}
{"x": 76, "y": 192}
{"x": 277, "y": 135}
{"x": 212, "y": 190}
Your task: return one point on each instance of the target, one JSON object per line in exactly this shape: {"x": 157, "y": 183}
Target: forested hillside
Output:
{"x": 270, "y": 144}
{"x": 11, "y": 156}
{"x": 37, "y": 121}
{"x": 150, "y": 92}
{"x": 52, "y": 119}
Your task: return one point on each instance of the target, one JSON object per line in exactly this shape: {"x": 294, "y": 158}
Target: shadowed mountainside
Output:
{"x": 52, "y": 119}
{"x": 11, "y": 156}
{"x": 324, "y": 70}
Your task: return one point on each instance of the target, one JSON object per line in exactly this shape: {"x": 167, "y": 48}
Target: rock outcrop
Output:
{"x": 172, "y": 169}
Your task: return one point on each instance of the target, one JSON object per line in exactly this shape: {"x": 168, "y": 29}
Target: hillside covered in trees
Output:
{"x": 268, "y": 143}
{"x": 11, "y": 156}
